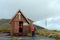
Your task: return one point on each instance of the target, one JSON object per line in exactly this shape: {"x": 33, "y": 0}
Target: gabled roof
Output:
{"x": 30, "y": 20}
{"x": 21, "y": 14}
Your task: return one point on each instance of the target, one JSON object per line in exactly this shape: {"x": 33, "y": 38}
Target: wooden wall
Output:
{"x": 15, "y": 25}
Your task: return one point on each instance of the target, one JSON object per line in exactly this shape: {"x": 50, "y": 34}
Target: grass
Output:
{"x": 14, "y": 38}
{"x": 48, "y": 33}
{"x": 4, "y": 30}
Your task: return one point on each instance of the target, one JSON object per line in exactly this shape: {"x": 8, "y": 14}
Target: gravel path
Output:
{"x": 36, "y": 38}
{"x": 27, "y": 38}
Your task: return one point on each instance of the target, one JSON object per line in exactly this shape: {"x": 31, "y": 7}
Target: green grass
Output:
{"x": 14, "y": 38}
{"x": 4, "y": 30}
{"x": 49, "y": 33}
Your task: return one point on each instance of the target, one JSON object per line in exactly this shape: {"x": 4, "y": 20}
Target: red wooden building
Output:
{"x": 20, "y": 25}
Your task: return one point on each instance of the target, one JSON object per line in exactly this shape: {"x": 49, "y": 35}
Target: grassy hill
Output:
{"x": 4, "y": 25}
{"x": 4, "y": 22}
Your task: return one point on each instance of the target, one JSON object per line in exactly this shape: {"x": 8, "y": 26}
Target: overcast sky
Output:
{"x": 36, "y": 10}
{"x": 33, "y": 9}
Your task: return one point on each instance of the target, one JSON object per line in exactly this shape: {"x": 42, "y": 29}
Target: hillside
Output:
{"x": 36, "y": 25}
{"x": 5, "y": 23}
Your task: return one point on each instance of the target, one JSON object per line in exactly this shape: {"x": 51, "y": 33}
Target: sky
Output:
{"x": 36, "y": 10}
{"x": 53, "y": 23}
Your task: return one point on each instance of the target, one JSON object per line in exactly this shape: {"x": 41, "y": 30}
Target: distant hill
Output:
{"x": 5, "y": 23}
{"x": 39, "y": 27}
{"x": 36, "y": 25}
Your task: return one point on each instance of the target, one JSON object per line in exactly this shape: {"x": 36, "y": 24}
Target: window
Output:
{"x": 25, "y": 24}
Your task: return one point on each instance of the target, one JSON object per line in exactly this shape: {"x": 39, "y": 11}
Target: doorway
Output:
{"x": 20, "y": 26}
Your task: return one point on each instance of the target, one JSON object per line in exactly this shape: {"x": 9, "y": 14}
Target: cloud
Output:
{"x": 53, "y": 23}
{"x": 33, "y": 9}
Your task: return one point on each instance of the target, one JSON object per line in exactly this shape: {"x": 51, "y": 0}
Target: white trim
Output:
{"x": 25, "y": 24}
{"x": 19, "y": 16}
